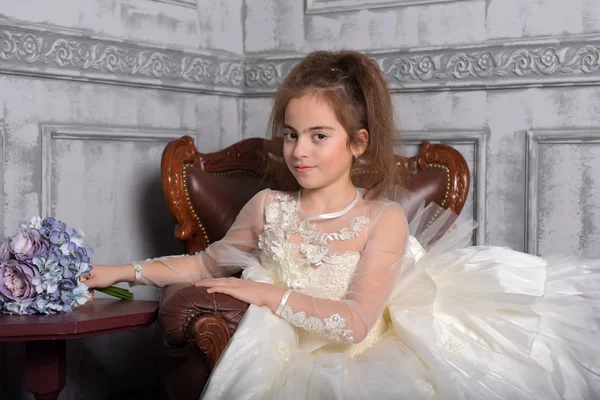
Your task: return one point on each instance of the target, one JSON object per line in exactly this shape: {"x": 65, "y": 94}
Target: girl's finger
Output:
{"x": 221, "y": 289}
{"x": 214, "y": 282}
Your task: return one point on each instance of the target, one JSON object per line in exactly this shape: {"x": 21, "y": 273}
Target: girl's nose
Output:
{"x": 301, "y": 148}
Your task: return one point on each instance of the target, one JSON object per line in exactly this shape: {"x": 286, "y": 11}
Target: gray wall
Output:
{"x": 510, "y": 83}
{"x": 90, "y": 94}
{"x": 91, "y": 91}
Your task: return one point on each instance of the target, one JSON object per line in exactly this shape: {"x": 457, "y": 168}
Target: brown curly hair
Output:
{"x": 355, "y": 87}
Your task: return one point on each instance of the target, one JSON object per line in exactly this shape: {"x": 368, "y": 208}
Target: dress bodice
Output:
{"x": 342, "y": 266}
{"x": 302, "y": 256}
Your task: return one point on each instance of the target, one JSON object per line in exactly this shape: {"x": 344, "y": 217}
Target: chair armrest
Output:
{"x": 189, "y": 315}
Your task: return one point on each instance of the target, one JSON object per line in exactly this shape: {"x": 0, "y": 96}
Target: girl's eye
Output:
{"x": 289, "y": 135}
{"x": 320, "y": 136}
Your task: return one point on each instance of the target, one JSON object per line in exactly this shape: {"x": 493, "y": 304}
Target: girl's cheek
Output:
{"x": 287, "y": 152}
{"x": 333, "y": 158}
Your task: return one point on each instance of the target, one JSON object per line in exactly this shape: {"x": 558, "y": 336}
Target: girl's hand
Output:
{"x": 102, "y": 276}
{"x": 258, "y": 293}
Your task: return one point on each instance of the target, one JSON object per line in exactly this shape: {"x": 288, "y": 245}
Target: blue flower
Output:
{"x": 48, "y": 281}
{"x": 68, "y": 283}
{"x": 81, "y": 294}
{"x": 18, "y": 307}
{"x": 55, "y": 307}
{"x": 65, "y": 261}
{"x": 43, "y": 265}
{"x": 36, "y": 223}
{"x": 83, "y": 268}
{"x": 41, "y": 304}
{"x": 54, "y": 297}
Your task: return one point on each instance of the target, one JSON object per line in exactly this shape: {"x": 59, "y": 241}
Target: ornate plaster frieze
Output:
{"x": 520, "y": 64}
{"x": 61, "y": 54}
{"x": 27, "y": 51}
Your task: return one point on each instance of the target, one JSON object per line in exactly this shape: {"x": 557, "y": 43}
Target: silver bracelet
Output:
{"x": 283, "y": 301}
{"x": 138, "y": 273}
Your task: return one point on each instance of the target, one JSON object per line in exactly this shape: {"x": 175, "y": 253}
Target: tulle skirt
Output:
{"x": 463, "y": 323}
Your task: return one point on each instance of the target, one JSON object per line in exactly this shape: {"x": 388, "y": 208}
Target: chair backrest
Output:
{"x": 206, "y": 191}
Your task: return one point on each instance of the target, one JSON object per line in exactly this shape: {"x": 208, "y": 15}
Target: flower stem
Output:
{"x": 117, "y": 292}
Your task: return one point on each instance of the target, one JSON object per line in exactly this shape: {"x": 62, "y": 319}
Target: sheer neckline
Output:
{"x": 335, "y": 214}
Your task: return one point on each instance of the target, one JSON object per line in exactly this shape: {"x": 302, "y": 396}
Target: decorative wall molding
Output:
{"x": 182, "y": 3}
{"x": 50, "y": 132}
{"x": 329, "y": 6}
{"x": 34, "y": 51}
{"x": 544, "y": 62}
{"x": 477, "y": 139}
{"x": 534, "y": 139}
{"x": 267, "y": 75}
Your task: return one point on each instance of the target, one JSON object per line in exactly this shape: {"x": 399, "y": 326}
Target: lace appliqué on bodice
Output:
{"x": 280, "y": 221}
{"x": 315, "y": 246}
{"x": 310, "y": 266}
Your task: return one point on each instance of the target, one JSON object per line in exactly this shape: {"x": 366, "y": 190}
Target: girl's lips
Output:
{"x": 303, "y": 168}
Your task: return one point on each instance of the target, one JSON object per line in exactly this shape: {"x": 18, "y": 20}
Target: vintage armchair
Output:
{"x": 205, "y": 192}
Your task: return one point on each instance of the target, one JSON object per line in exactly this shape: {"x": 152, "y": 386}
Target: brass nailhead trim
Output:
{"x": 189, "y": 318}
{"x": 186, "y": 324}
{"x": 187, "y": 196}
{"x": 236, "y": 171}
{"x": 446, "y": 195}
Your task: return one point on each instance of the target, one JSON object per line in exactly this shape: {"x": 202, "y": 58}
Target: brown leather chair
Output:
{"x": 205, "y": 192}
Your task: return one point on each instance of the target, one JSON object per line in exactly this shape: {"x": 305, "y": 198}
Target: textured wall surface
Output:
{"x": 90, "y": 94}
{"x": 492, "y": 78}
{"x": 92, "y": 90}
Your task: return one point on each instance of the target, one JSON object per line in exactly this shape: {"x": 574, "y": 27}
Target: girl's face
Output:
{"x": 315, "y": 145}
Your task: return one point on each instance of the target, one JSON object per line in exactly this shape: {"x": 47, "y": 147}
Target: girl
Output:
{"x": 346, "y": 303}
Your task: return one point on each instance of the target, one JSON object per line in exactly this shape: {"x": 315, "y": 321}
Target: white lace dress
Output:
{"x": 374, "y": 315}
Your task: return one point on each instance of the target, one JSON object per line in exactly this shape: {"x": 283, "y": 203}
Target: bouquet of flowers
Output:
{"x": 42, "y": 269}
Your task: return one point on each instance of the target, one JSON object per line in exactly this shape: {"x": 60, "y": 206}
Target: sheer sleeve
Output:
{"x": 212, "y": 262}
{"x": 350, "y": 319}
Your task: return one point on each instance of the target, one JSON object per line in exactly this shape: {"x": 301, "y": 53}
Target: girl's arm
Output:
{"x": 347, "y": 320}
{"x": 350, "y": 319}
{"x": 242, "y": 236}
